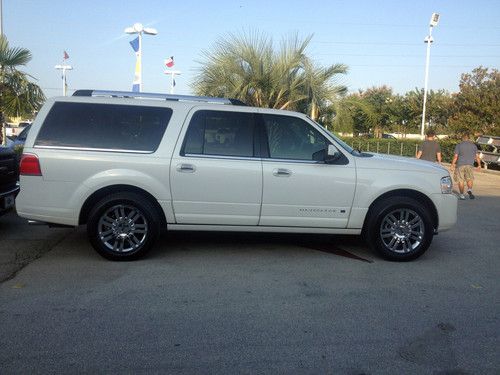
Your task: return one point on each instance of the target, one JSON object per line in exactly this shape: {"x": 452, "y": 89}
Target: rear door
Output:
{"x": 216, "y": 175}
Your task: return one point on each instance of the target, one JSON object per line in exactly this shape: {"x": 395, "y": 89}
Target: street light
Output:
{"x": 139, "y": 29}
{"x": 428, "y": 39}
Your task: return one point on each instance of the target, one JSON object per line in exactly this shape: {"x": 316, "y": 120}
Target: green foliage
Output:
{"x": 248, "y": 68}
{"x": 477, "y": 105}
{"x": 401, "y": 147}
{"x": 19, "y": 97}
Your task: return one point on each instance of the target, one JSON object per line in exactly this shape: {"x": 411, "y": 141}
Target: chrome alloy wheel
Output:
{"x": 402, "y": 230}
{"x": 122, "y": 228}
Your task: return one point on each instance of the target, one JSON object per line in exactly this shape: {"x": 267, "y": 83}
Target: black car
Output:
{"x": 9, "y": 174}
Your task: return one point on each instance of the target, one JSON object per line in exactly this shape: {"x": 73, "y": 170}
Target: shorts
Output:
{"x": 464, "y": 173}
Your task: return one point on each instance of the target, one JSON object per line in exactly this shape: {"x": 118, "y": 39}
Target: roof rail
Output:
{"x": 150, "y": 95}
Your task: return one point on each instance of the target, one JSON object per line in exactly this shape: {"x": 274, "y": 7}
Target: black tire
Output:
{"x": 399, "y": 228}
{"x": 123, "y": 226}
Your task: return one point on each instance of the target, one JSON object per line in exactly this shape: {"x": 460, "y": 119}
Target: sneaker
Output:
{"x": 461, "y": 196}
{"x": 471, "y": 196}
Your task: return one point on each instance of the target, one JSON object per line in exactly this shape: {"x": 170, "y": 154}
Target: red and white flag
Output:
{"x": 65, "y": 56}
{"x": 169, "y": 62}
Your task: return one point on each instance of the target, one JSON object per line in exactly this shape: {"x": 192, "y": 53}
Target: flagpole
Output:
{"x": 139, "y": 29}
{"x": 172, "y": 74}
{"x": 64, "y": 68}
{"x": 140, "y": 61}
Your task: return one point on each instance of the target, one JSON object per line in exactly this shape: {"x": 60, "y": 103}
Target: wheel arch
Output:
{"x": 418, "y": 196}
{"x": 112, "y": 189}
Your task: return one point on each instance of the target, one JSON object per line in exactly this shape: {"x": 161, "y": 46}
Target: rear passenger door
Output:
{"x": 216, "y": 174}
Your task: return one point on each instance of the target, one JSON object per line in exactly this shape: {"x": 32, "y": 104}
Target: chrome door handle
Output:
{"x": 281, "y": 172}
{"x": 185, "y": 168}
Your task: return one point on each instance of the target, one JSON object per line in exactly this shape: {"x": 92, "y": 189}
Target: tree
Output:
{"x": 477, "y": 104}
{"x": 354, "y": 115}
{"x": 18, "y": 96}
{"x": 381, "y": 100}
{"x": 247, "y": 68}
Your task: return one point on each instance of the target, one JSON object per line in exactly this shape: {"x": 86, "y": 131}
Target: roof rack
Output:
{"x": 150, "y": 95}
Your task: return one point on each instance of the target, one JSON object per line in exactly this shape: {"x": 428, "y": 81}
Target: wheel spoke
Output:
{"x": 401, "y": 230}
{"x": 122, "y": 228}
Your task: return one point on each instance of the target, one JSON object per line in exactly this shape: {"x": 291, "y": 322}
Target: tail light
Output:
{"x": 30, "y": 165}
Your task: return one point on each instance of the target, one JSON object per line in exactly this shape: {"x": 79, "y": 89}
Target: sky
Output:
{"x": 381, "y": 42}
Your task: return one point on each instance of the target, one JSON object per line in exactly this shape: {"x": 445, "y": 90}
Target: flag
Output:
{"x": 135, "y": 44}
{"x": 137, "y": 82}
{"x": 169, "y": 62}
{"x": 65, "y": 56}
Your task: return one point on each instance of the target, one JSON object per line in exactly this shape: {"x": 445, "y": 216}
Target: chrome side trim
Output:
{"x": 221, "y": 157}
{"x": 92, "y": 149}
{"x": 268, "y": 160}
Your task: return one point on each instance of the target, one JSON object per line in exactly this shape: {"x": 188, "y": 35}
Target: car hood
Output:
{"x": 399, "y": 163}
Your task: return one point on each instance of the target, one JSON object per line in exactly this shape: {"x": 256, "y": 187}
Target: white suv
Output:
{"x": 126, "y": 164}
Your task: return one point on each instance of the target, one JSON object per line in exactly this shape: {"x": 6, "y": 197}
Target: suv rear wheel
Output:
{"x": 399, "y": 228}
{"x": 123, "y": 226}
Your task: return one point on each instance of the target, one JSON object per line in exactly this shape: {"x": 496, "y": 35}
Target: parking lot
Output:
{"x": 247, "y": 303}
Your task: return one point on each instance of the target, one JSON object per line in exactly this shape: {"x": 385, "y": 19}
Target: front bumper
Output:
{"x": 446, "y": 206}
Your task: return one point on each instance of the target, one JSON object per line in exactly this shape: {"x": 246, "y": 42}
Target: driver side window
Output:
{"x": 290, "y": 137}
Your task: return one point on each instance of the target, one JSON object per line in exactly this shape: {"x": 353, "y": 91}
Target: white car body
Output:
{"x": 225, "y": 193}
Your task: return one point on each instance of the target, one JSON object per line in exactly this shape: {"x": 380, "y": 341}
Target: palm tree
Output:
{"x": 247, "y": 68}
{"x": 18, "y": 96}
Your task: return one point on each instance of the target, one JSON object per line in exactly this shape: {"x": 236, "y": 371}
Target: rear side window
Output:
{"x": 220, "y": 133}
{"x": 104, "y": 127}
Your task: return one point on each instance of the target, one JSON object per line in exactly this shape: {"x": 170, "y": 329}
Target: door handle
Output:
{"x": 185, "y": 168}
{"x": 281, "y": 172}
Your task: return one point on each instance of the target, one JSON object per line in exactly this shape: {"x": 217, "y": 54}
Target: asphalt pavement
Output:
{"x": 244, "y": 303}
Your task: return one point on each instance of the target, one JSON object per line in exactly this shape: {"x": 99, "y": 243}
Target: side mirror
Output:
{"x": 327, "y": 156}
{"x": 332, "y": 154}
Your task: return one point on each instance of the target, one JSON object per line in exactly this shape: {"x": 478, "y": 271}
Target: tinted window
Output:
{"x": 220, "y": 133}
{"x": 292, "y": 138}
{"x": 104, "y": 126}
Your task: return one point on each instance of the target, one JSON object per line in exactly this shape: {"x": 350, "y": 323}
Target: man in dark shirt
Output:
{"x": 465, "y": 154}
{"x": 430, "y": 149}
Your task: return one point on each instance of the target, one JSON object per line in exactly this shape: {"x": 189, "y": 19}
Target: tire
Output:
{"x": 123, "y": 226}
{"x": 399, "y": 228}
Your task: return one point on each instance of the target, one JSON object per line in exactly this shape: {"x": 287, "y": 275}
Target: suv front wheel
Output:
{"x": 123, "y": 226}
{"x": 399, "y": 228}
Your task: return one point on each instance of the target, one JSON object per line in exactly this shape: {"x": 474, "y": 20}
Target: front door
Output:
{"x": 299, "y": 191}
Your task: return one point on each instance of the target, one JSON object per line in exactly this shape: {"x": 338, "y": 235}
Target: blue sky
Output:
{"x": 381, "y": 41}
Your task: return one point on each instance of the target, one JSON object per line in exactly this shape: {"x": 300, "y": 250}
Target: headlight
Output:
{"x": 446, "y": 185}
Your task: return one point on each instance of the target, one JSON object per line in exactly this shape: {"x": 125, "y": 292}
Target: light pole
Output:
{"x": 64, "y": 68}
{"x": 139, "y": 29}
{"x": 428, "y": 39}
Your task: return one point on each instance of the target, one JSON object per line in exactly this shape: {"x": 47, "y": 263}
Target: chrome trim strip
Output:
{"x": 5, "y": 193}
{"x": 202, "y": 156}
{"x": 92, "y": 149}
{"x": 298, "y": 161}
{"x": 269, "y": 160}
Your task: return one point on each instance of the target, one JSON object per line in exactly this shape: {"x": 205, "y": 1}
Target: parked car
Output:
{"x": 21, "y": 138}
{"x": 9, "y": 172}
{"x": 489, "y": 150}
{"x": 125, "y": 164}
{"x": 388, "y": 136}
